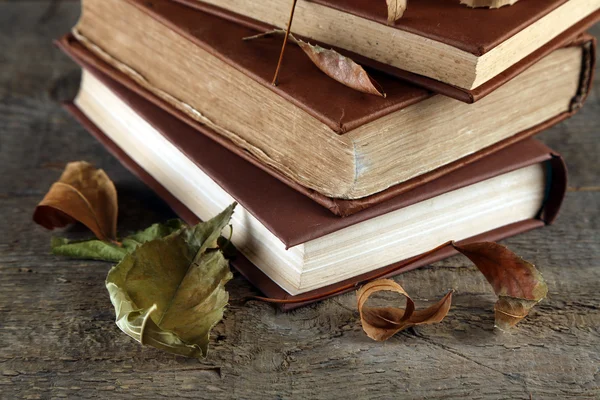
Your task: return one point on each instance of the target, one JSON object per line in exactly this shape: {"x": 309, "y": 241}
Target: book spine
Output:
{"x": 588, "y": 66}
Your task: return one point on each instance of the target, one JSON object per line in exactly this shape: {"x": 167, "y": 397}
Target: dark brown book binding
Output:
{"x": 449, "y": 23}
{"x": 298, "y": 219}
{"x": 339, "y": 207}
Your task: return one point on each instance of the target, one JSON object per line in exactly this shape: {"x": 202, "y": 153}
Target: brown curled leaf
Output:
{"x": 396, "y": 9}
{"x": 83, "y": 194}
{"x": 517, "y": 283}
{"x": 342, "y": 69}
{"x": 488, "y": 3}
{"x": 381, "y": 323}
{"x": 333, "y": 64}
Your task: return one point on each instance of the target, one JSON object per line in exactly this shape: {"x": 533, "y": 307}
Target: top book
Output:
{"x": 318, "y": 133}
{"x": 439, "y": 39}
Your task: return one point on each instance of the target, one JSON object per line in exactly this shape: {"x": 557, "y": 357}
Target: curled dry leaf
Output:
{"x": 396, "y": 10}
{"x": 488, "y": 3}
{"x": 518, "y": 283}
{"x": 336, "y": 66}
{"x": 170, "y": 292}
{"x": 84, "y": 194}
{"x": 381, "y": 323}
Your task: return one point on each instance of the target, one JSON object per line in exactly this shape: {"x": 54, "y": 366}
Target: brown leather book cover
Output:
{"x": 298, "y": 219}
{"x": 338, "y": 207}
{"x": 264, "y": 190}
{"x": 299, "y": 78}
{"x": 475, "y": 31}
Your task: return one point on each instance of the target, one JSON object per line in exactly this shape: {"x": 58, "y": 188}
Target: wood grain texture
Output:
{"x": 58, "y": 338}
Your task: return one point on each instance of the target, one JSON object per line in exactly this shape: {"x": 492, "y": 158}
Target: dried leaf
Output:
{"x": 84, "y": 194}
{"x": 333, "y": 64}
{"x": 169, "y": 292}
{"x": 342, "y": 69}
{"x": 272, "y": 32}
{"x": 488, "y": 3}
{"x": 381, "y": 323}
{"x": 88, "y": 249}
{"x": 106, "y": 251}
{"x": 396, "y": 10}
{"x": 518, "y": 284}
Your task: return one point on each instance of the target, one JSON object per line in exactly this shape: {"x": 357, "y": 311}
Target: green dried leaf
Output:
{"x": 169, "y": 292}
{"x": 155, "y": 231}
{"x": 88, "y": 249}
{"x": 108, "y": 251}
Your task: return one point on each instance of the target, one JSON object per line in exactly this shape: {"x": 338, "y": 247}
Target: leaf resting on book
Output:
{"x": 333, "y": 64}
{"x": 517, "y": 283}
{"x": 381, "y": 323}
{"x": 342, "y": 69}
{"x": 83, "y": 194}
{"x": 488, "y": 3}
{"x": 169, "y": 293}
{"x": 396, "y": 10}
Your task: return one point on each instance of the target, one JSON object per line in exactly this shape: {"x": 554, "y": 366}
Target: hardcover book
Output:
{"x": 436, "y": 41}
{"x": 417, "y": 131}
{"x": 288, "y": 244}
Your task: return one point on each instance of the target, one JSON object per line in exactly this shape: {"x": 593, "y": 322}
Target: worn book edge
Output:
{"x": 337, "y": 206}
{"x": 267, "y": 286}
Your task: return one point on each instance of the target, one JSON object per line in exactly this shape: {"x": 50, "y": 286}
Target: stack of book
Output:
{"x": 336, "y": 186}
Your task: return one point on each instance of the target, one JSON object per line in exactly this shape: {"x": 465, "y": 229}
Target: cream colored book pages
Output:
{"x": 408, "y": 51}
{"x": 367, "y": 160}
{"x": 360, "y": 248}
{"x": 441, "y": 130}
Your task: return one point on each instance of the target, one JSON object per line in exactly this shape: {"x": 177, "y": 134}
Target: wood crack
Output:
{"x": 449, "y": 349}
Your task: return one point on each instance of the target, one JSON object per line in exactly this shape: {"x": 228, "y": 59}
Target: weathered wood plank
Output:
{"x": 58, "y": 332}
{"x": 58, "y": 339}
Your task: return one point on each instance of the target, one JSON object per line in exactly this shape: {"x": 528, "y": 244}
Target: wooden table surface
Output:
{"x": 57, "y": 332}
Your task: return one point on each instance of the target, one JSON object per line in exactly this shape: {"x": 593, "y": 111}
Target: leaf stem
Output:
{"x": 285, "y": 39}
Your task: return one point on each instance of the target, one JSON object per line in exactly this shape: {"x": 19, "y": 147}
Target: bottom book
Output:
{"x": 292, "y": 248}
